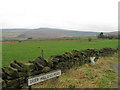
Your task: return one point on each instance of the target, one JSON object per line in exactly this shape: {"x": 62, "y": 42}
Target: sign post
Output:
{"x": 42, "y": 77}
{"x": 29, "y": 88}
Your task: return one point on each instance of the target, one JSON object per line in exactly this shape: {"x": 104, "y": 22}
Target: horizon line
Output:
{"x": 59, "y": 28}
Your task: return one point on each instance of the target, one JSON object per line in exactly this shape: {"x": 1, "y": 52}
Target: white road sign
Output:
{"x": 42, "y": 77}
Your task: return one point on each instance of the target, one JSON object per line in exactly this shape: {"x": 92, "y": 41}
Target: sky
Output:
{"x": 81, "y": 15}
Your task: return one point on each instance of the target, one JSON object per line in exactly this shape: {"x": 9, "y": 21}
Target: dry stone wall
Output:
{"x": 15, "y": 75}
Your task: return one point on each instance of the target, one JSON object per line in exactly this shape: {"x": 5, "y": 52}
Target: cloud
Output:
{"x": 57, "y": 13}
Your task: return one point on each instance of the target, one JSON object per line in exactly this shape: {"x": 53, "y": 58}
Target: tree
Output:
{"x": 89, "y": 39}
{"x": 19, "y": 41}
{"x": 101, "y": 35}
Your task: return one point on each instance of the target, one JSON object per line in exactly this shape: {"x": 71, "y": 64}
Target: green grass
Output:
{"x": 26, "y": 51}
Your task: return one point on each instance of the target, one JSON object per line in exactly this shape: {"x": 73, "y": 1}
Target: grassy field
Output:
{"x": 26, "y": 51}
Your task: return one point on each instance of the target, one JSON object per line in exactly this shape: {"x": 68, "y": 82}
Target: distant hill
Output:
{"x": 114, "y": 33}
{"x": 43, "y": 33}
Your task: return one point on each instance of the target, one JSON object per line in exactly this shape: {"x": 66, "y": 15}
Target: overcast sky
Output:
{"x": 87, "y": 15}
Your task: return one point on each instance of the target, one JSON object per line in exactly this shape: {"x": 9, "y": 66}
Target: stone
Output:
{"x": 40, "y": 62}
{"x": 4, "y": 76}
{"x": 17, "y": 66}
{"x": 16, "y": 83}
{"x": 29, "y": 66}
{"x": 50, "y": 64}
{"x": 12, "y": 73}
{"x": 46, "y": 69}
{"x": 3, "y": 84}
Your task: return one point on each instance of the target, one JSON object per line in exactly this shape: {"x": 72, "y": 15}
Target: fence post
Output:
{"x": 42, "y": 53}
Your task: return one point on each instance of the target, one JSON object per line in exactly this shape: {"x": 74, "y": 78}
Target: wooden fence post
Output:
{"x": 42, "y": 53}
